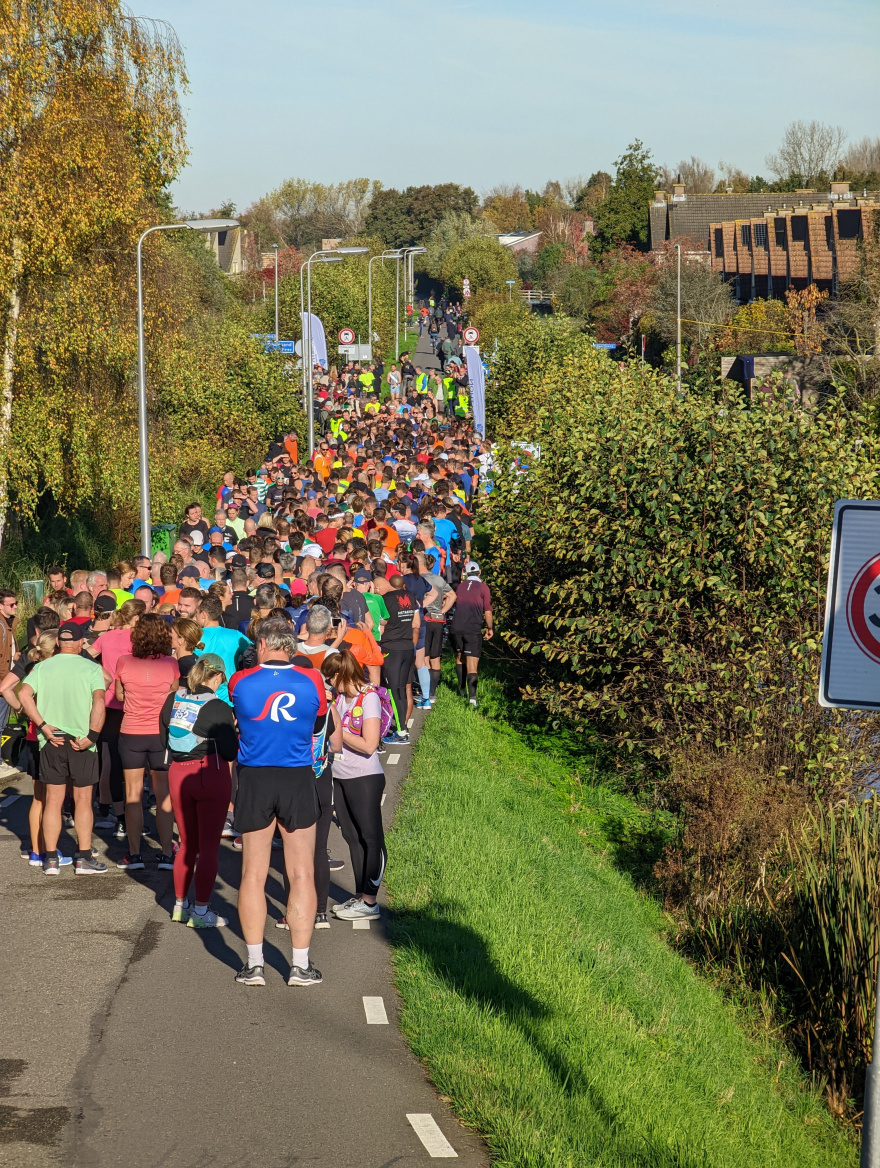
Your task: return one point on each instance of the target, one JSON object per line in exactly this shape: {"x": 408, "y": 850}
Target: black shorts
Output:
{"x": 471, "y": 644}
{"x": 142, "y": 750}
{"x": 63, "y": 764}
{"x": 286, "y": 794}
{"x": 433, "y": 638}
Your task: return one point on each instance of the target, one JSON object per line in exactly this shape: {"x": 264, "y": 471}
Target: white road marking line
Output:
{"x": 409, "y": 723}
{"x": 361, "y": 925}
{"x": 382, "y": 800}
{"x": 436, "y": 1144}
{"x": 374, "y": 1008}
{"x": 393, "y": 759}
{"x": 10, "y": 799}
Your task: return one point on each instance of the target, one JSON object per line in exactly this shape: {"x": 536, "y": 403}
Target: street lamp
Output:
{"x": 409, "y": 270}
{"x": 331, "y": 256}
{"x": 386, "y": 255}
{"x": 678, "y": 323}
{"x": 143, "y": 436}
{"x": 275, "y": 245}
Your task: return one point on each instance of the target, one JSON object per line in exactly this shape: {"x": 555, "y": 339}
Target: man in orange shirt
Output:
{"x": 321, "y": 461}
{"x": 291, "y": 445}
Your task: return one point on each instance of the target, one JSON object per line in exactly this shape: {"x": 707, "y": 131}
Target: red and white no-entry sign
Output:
{"x": 471, "y": 335}
{"x": 346, "y": 337}
{"x": 850, "y": 674}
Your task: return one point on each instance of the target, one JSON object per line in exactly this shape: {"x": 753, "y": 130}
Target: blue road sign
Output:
{"x": 286, "y": 347}
{"x": 603, "y": 345}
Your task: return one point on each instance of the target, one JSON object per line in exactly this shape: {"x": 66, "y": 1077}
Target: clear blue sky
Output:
{"x": 511, "y": 91}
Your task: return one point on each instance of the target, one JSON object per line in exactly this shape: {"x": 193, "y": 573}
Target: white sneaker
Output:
{"x": 228, "y": 831}
{"x": 337, "y": 908}
{"x": 357, "y": 911}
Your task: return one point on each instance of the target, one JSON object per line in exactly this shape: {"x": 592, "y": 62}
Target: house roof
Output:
{"x": 690, "y": 217}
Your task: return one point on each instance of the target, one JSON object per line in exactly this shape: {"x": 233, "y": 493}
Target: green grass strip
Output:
{"x": 540, "y": 992}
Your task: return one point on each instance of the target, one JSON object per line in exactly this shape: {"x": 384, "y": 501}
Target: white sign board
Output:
{"x": 850, "y": 672}
{"x": 356, "y": 352}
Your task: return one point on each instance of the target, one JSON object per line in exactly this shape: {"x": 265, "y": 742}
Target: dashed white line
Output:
{"x": 393, "y": 759}
{"x": 409, "y": 723}
{"x": 10, "y": 799}
{"x": 436, "y": 1144}
{"x": 374, "y": 1008}
{"x": 361, "y": 925}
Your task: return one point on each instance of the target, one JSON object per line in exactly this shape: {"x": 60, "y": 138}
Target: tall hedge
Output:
{"x": 663, "y": 564}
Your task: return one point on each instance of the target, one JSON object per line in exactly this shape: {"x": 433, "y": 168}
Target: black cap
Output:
{"x": 71, "y": 631}
{"x": 106, "y": 604}
{"x": 265, "y": 571}
{"x": 238, "y": 562}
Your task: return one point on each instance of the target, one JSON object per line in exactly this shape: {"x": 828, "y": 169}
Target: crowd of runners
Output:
{"x": 248, "y": 681}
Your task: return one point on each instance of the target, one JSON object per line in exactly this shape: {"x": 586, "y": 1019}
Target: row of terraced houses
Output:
{"x": 769, "y": 242}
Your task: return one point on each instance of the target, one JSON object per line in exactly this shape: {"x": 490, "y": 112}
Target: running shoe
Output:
{"x": 106, "y": 822}
{"x": 51, "y": 868}
{"x": 131, "y": 862}
{"x": 335, "y": 865}
{"x": 64, "y": 861}
{"x": 321, "y": 921}
{"x": 67, "y": 819}
{"x": 236, "y": 843}
{"x": 228, "y": 831}
{"x": 26, "y": 852}
{"x": 402, "y": 738}
{"x": 251, "y": 975}
{"x": 277, "y": 845}
{"x": 423, "y": 704}
{"x": 166, "y": 863}
{"x": 390, "y": 739}
{"x": 120, "y": 832}
{"x": 337, "y": 908}
{"x": 304, "y": 977}
{"x": 206, "y": 920}
{"x": 86, "y": 866}
{"x": 473, "y": 702}
{"x": 35, "y": 860}
{"x": 282, "y": 924}
{"x": 358, "y": 910}
{"x": 180, "y": 913}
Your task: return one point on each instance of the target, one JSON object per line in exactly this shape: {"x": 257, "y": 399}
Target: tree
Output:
{"x": 549, "y": 259}
{"x": 454, "y": 228}
{"x": 626, "y": 281}
{"x": 698, "y": 176}
{"x": 483, "y": 261}
{"x": 863, "y": 157}
{"x": 594, "y": 191}
{"x": 579, "y": 291}
{"x": 706, "y": 300}
{"x": 300, "y": 213}
{"x": 407, "y": 218}
{"x": 622, "y": 217}
{"x": 91, "y": 131}
{"x": 508, "y": 207}
{"x": 808, "y": 150}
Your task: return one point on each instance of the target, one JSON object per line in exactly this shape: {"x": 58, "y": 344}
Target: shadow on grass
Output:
{"x": 460, "y": 959}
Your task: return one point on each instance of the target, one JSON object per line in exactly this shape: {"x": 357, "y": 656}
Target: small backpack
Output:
{"x": 182, "y": 738}
{"x": 355, "y": 717}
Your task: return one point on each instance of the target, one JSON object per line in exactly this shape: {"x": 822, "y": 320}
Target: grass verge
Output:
{"x": 540, "y": 992}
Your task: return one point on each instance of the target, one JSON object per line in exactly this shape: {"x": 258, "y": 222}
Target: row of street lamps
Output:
{"x": 334, "y": 256}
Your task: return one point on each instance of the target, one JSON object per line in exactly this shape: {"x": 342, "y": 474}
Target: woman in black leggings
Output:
{"x": 399, "y": 639}
{"x": 358, "y": 783}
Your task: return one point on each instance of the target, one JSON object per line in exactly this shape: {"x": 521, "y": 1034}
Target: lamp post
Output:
{"x": 510, "y": 284}
{"x": 386, "y": 255}
{"x": 678, "y": 322}
{"x": 143, "y": 435}
{"x": 408, "y": 253}
{"x": 275, "y": 245}
{"x": 333, "y": 256}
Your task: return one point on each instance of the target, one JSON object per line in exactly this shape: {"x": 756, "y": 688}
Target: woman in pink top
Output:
{"x": 110, "y": 646}
{"x": 143, "y": 681}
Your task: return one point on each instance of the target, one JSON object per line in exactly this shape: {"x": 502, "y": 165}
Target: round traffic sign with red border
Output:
{"x": 471, "y": 335}
{"x": 863, "y": 609}
{"x": 346, "y": 337}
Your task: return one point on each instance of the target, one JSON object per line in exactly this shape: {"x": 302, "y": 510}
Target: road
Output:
{"x": 126, "y": 1041}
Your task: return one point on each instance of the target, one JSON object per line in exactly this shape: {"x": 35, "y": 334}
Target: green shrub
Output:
{"x": 664, "y": 562}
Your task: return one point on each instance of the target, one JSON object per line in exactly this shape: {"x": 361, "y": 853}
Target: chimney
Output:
{"x": 659, "y": 196}
{"x": 678, "y": 195}
{"x": 840, "y": 190}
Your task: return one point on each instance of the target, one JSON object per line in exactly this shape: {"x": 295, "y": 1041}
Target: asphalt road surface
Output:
{"x": 126, "y": 1041}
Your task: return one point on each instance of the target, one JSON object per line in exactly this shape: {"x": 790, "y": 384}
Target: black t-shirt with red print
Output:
{"x": 398, "y": 631}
